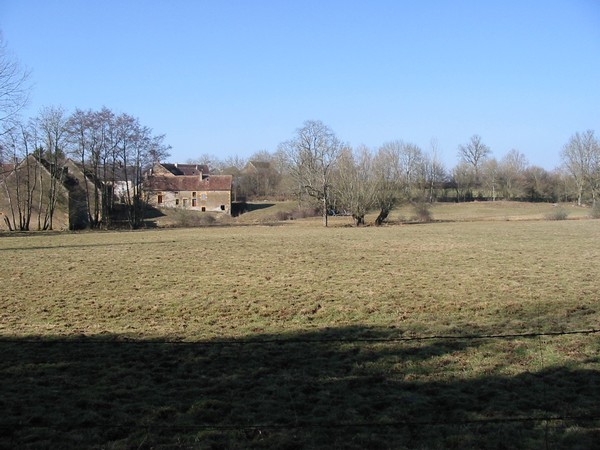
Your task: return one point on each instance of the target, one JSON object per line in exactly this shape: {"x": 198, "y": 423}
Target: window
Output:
{"x": 185, "y": 202}
{"x": 160, "y": 199}
{"x": 176, "y": 202}
{"x": 194, "y": 202}
{"x": 193, "y": 195}
{"x": 203, "y": 209}
{"x": 203, "y": 196}
{"x": 222, "y": 207}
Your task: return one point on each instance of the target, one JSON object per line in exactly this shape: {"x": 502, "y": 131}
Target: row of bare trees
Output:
{"x": 35, "y": 148}
{"x": 114, "y": 150}
{"x": 316, "y": 165}
{"x": 111, "y": 150}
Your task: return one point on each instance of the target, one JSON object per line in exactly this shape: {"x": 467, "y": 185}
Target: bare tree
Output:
{"x": 52, "y": 126}
{"x": 463, "y": 179}
{"x": 490, "y": 170}
{"x": 313, "y": 153}
{"x": 355, "y": 187}
{"x": 435, "y": 173}
{"x": 474, "y": 153}
{"x": 213, "y": 162}
{"x": 541, "y": 185}
{"x": 91, "y": 145}
{"x": 511, "y": 172}
{"x": 20, "y": 176}
{"x": 14, "y": 88}
{"x": 581, "y": 157}
{"x": 408, "y": 162}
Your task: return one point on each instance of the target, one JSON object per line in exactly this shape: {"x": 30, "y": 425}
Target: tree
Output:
{"x": 435, "y": 173}
{"x": 581, "y": 157}
{"x": 52, "y": 127}
{"x": 93, "y": 147}
{"x": 463, "y": 179}
{"x": 209, "y": 160}
{"x": 388, "y": 175}
{"x": 136, "y": 149}
{"x": 541, "y": 185}
{"x": 20, "y": 174}
{"x": 474, "y": 153}
{"x": 511, "y": 173}
{"x": 14, "y": 90}
{"x": 114, "y": 151}
{"x": 313, "y": 153}
{"x": 355, "y": 187}
{"x": 490, "y": 171}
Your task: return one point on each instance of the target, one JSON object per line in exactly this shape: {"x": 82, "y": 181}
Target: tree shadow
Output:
{"x": 318, "y": 389}
{"x": 257, "y": 206}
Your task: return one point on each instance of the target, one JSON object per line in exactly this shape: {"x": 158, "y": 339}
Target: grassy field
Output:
{"x": 291, "y": 335}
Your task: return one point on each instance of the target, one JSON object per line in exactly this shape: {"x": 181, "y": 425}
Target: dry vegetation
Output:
{"x": 85, "y": 318}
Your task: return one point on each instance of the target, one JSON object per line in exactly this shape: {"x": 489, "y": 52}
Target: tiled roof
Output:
{"x": 189, "y": 183}
{"x": 186, "y": 169}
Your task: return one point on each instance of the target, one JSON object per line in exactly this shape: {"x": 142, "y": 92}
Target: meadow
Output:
{"x": 479, "y": 330}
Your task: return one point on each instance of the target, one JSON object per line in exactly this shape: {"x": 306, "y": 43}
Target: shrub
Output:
{"x": 302, "y": 213}
{"x": 595, "y": 212}
{"x": 559, "y": 213}
{"x": 423, "y": 212}
{"x": 298, "y": 213}
{"x": 184, "y": 218}
{"x": 283, "y": 215}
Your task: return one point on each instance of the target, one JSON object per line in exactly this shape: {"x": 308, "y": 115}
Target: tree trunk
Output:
{"x": 358, "y": 220}
{"x": 383, "y": 214}
{"x": 325, "y": 210}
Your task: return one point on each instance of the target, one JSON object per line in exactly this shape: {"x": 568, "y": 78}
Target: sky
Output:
{"x": 233, "y": 77}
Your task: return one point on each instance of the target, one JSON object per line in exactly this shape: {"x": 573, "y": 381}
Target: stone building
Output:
{"x": 188, "y": 186}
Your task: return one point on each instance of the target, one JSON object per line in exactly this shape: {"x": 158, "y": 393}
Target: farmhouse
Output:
{"x": 34, "y": 195}
{"x": 188, "y": 186}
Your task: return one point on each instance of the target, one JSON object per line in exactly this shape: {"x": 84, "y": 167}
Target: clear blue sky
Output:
{"x": 234, "y": 77}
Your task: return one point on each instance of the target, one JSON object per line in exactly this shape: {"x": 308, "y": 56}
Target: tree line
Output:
{"x": 313, "y": 166}
{"x": 112, "y": 150}
{"x": 318, "y": 167}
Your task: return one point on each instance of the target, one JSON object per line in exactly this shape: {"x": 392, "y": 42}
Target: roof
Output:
{"x": 264, "y": 165}
{"x": 186, "y": 169}
{"x": 189, "y": 183}
{"x": 6, "y": 168}
{"x": 261, "y": 164}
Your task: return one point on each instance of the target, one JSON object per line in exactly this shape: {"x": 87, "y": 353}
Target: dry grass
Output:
{"x": 207, "y": 287}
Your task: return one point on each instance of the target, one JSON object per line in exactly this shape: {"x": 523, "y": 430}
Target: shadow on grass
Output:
{"x": 308, "y": 392}
{"x": 256, "y": 206}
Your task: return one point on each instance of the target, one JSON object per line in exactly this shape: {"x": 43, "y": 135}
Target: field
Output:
{"x": 476, "y": 331}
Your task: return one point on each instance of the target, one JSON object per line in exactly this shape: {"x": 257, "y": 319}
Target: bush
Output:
{"x": 595, "y": 212}
{"x": 185, "y": 218}
{"x": 423, "y": 212}
{"x": 299, "y": 213}
{"x": 283, "y": 215}
{"x": 302, "y": 213}
{"x": 559, "y": 213}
